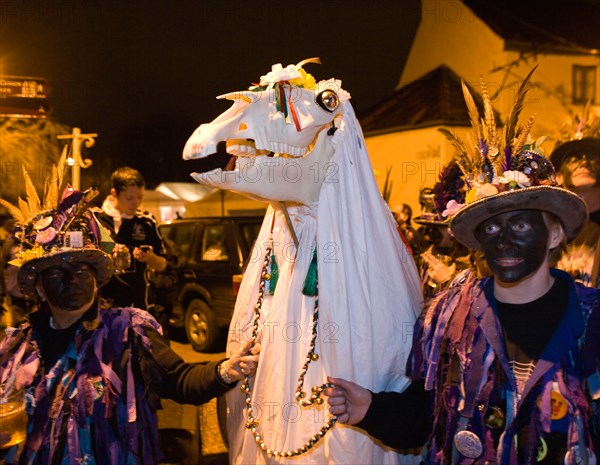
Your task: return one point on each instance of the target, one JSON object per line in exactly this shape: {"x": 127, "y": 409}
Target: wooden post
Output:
{"x": 76, "y": 161}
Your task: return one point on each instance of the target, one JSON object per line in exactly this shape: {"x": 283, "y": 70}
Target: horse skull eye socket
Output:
{"x": 328, "y": 100}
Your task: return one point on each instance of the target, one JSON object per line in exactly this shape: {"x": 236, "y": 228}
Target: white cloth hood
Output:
{"x": 369, "y": 291}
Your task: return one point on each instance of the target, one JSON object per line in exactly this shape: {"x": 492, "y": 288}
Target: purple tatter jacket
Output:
{"x": 459, "y": 353}
{"x": 93, "y": 389}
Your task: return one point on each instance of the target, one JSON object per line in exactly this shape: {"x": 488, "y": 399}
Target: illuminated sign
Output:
{"x": 24, "y": 97}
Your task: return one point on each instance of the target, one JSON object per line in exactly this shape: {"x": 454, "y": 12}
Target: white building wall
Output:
{"x": 416, "y": 158}
{"x": 451, "y": 34}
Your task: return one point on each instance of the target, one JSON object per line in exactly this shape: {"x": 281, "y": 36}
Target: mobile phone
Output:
{"x": 146, "y": 248}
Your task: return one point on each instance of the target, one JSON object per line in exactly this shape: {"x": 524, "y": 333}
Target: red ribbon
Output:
{"x": 291, "y": 104}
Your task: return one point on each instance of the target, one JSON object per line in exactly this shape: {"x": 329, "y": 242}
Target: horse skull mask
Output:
{"x": 341, "y": 222}
{"x": 288, "y": 115}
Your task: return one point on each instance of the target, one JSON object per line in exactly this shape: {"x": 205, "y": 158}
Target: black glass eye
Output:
{"x": 328, "y": 100}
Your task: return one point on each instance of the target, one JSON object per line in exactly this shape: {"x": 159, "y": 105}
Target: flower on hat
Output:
{"x": 517, "y": 178}
{"x": 279, "y": 73}
{"x": 583, "y": 125}
{"x": 451, "y": 208}
{"x": 480, "y": 190}
{"x": 446, "y": 197}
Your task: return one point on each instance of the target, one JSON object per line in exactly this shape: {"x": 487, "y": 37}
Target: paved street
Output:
{"x": 179, "y": 444}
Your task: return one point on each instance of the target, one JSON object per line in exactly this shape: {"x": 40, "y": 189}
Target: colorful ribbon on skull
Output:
{"x": 282, "y": 105}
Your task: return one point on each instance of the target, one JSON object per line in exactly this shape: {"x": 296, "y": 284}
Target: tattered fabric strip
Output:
{"x": 434, "y": 351}
{"x": 19, "y": 369}
{"x": 116, "y": 440}
{"x": 591, "y": 344}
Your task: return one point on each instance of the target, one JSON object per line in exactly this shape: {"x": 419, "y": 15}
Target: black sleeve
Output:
{"x": 400, "y": 420}
{"x": 186, "y": 383}
{"x": 154, "y": 237}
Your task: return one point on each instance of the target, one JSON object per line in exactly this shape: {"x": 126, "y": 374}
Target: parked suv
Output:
{"x": 211, "y": 253}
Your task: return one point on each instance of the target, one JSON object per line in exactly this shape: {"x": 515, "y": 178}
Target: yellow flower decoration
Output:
{"x": 24, "y": 256}
{"x": 307, "y": 79}
{"x": 471, "y": 195}
{"x": 480, "y": 191}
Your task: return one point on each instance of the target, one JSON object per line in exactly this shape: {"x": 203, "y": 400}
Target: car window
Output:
{"x": 250, "y": 232}
{"x": 164, "y": 230}
{"x": 183, "y": 235}
{"x": 213, "y": 244}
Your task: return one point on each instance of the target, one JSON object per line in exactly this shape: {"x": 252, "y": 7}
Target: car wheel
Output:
{"x": 200, "y": 326}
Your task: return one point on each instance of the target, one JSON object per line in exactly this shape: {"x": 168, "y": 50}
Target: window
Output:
{"x": 584, "y": 84}
{"x": 250, "y": 232}
{"x": 213, "y": 244}
{"x": 183, "y": 236}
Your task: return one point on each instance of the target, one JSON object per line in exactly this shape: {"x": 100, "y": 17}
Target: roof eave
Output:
{"x": 551, "y": 49}
{"x": 412, "y": 127}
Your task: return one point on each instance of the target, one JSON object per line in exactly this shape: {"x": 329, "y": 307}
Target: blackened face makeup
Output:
{"x": 581, "y": 171}
{"x": 515, "y": 243}
{"x": 69, "y": 286}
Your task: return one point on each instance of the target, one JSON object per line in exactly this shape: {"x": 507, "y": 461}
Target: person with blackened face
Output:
{"x": 89, "y": 377}
{"x": 578, "y": 169}
{"x": 506, "y": 368}
{"x": 578, "y": 165}
{"x": 516, "y": 245}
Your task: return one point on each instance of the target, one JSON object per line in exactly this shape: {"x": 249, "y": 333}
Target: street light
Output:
{"x": 75, "y": 160}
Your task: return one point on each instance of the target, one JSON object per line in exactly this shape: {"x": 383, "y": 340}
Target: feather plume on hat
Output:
{"x": 56, "y": 231}
{"x": 484, "y": 159}
{"x": 25, "y": 210}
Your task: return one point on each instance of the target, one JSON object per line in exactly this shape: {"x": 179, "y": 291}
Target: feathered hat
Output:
{"x": 59, "y": 230}
{"x": 580, "y": 137}
{"x": 439, "y": 203}
{"x": 504, "y": 173}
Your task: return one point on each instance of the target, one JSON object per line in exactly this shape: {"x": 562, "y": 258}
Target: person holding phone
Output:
{"x": 139, "y": 244}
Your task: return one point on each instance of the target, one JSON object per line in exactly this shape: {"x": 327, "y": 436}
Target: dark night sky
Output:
{"x": 145, "y": 74}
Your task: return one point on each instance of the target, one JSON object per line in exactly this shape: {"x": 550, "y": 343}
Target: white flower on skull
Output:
{"x": 279, "y": 73}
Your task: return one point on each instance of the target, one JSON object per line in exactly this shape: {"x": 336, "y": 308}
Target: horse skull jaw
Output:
{"x": 233, "y": 149}
{"x": 230, "y": 175}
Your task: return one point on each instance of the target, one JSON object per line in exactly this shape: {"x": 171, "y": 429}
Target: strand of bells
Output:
{"x": 252, "y": 422}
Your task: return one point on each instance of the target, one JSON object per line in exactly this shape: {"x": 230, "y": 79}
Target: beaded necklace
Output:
{"x": 252, "y": 422}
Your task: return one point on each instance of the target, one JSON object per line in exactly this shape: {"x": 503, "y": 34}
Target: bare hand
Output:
{"x": 145, "y": 254}
{"x": 349, "y": 401}
{"x": 437, "y": 270}
{"x": 244, "y": 363}
{"x": 142, "y": 254}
